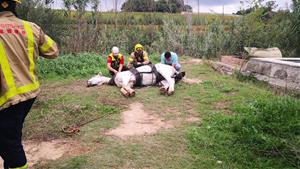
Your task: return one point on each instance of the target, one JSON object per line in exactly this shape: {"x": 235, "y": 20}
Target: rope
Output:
{"x": 73, "y": 129}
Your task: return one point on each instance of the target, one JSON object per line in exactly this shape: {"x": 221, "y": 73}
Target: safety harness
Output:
{"x": 139, "y": 57}
{"x": 139, "y": 76}
{"x": 115, "y": 61}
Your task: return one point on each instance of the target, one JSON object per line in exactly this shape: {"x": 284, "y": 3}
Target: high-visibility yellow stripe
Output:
{"x": 130, "y": 59}
{"x": 8, "y": 75}
{"x": 45, "y": 47}
{"x": 146, "y": 58}
{"x": 113, "y": 58}
{"x": 23, "y": 167}
{"x": 12, "y": 92}
{"x": 30, "y": 47}
{"x": 28, "y": 88}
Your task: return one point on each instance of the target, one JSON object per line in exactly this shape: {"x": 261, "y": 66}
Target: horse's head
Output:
{"x": 96, "y": 80}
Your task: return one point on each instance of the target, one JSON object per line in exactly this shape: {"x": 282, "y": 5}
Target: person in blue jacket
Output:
{"x": 170, "y": 58}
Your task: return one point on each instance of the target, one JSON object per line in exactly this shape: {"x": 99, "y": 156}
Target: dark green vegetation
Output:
{"x": 170, "y": 6}
{"x": 241, "y": 124}
{"x": 65, "y": 66}
{"x": 190, "y": 34}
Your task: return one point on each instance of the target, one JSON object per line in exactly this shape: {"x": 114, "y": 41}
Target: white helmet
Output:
{"x": 115, "y": 50}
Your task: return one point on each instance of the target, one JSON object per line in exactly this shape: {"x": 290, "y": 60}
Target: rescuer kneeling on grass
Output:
{"x": 139, "y": 57}
{"x": 20, "y": 44}
{"x": 115, "y": 61}
{"x": 170, "y": 58}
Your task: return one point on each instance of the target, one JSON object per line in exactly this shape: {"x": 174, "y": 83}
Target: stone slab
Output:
{"x": 283, "y": 73}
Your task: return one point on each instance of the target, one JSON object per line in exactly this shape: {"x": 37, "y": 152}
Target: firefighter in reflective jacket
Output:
{"x": 115, "y": 62}
{"x": 21, "y": 42}
{"x": 139, "y": 57}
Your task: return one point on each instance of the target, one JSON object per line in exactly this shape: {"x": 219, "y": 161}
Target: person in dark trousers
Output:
{"x": 21, "y": 42}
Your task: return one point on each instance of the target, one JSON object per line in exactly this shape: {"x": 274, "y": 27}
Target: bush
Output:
{"x": 263, "y": 134}
{"x": 82, "y": 65}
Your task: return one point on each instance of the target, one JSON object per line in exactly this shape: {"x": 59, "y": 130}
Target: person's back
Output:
{"x": 21, "y": 43}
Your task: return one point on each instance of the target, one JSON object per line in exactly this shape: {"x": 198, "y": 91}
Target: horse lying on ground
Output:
{"x": 148, "y": 75}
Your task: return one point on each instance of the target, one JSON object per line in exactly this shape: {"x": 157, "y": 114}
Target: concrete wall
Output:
{"x": 285, "y": 74}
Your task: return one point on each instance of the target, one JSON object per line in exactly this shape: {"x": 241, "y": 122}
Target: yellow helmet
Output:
{"x": 137, "y": 46}
{"x": 17, "y": 1}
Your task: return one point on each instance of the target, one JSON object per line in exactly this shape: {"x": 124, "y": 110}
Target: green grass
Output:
{"x": 223, "y": 138}
{"x": 261, "y": 134}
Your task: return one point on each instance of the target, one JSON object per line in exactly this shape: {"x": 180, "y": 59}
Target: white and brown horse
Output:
{"x": 148, "y": 75}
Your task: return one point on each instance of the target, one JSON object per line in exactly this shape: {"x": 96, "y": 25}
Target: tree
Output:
{"x": 95, "y": 5}
{"x": 162, "y": 6}
{"x": 187, "y": 8}
{"x": 257, "y": 4}
{"x": 172, "y": 6}
{"x": 80, "y": 7}
{"x": 296, "y": 25}
{"x": 40, "y": 12}
{"x": 138, "y": 6}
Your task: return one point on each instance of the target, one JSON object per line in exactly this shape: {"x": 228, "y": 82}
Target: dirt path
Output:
{"x": 193, "y": 62}
{"x": 39, "y": 152}
{"x": 137, "y": 122}
{"x": 191, "y": 81}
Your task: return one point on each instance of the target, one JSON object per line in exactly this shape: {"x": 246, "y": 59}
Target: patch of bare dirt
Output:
{"x": 193, "y": 119}
{"x": 121, "y": 102}
{"x": 192, "y": 81}
{"x": 137, "y": 122}
{"x": 193, "y": 62}
{"x": 39, "y": 152}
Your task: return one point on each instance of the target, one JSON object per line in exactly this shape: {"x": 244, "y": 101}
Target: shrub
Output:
{"x": 82, "y": 65}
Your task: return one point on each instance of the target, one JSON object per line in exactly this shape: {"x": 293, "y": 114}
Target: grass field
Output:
{"x": 198, "y": 144}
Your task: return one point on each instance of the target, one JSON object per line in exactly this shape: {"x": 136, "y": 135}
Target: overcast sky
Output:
{"x": 206, "y": 6}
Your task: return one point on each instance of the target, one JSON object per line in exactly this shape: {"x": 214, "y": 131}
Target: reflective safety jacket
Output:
{"x": 138, "y": 57}
{"x": 115, "y": 61}
{"x": 21, "y": 43}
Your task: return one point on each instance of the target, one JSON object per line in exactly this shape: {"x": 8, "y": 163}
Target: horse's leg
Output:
{"x": 164, "y": 88}
{"x": 125, "y": 92}
{"x": 167, "y": 73}
{"x": 171, "y": 85}
{"x": 125, "y": 85}
{"x": 130, "y": 91}
{"x": 171, "y": 89}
